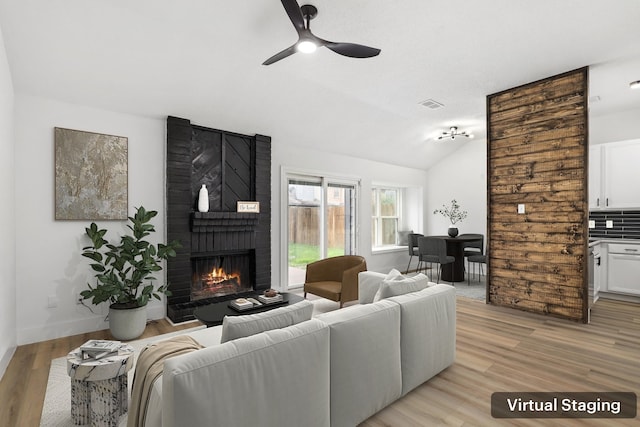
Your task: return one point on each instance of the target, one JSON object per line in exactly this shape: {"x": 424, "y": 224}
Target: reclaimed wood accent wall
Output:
{"x": 537, "y": 142}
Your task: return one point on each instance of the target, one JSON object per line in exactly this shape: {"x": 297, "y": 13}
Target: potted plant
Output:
{"x": 454, "y": 214}
{"x": 124, "y": 273}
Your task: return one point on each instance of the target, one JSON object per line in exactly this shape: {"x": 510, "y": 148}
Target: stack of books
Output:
{"x": 97, "y": 349}
{"x": 270, "y": 300}
{"x": 241, "y": 304}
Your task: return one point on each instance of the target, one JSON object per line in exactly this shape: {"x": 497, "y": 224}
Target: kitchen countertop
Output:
{"x": 597, "y": 240}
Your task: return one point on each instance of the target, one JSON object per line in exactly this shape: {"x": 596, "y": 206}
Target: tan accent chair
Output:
{"x": 335, "y": 278}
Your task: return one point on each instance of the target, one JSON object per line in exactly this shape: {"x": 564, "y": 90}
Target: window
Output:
{"x": 385, "y": 216}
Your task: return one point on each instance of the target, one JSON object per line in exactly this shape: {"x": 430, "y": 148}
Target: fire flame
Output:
{"x": 218, "y": 275}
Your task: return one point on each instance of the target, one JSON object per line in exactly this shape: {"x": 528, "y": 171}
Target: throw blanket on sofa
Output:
{"x": 149, "y": 367}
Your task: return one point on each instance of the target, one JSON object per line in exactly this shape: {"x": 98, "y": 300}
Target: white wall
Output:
{"x": 368, "y": 172}
{"x": 48, "y": 260}
{"x": 461, "y": 176}
{"x": 619, "y": 126}
{"x": 7, "y": 215}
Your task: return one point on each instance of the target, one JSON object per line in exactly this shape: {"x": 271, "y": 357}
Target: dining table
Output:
{"x": 454, "y": 272}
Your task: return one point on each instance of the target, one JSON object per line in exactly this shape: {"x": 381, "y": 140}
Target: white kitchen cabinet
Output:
{"x": 595, "y": 177}
{"x": 614, "y": 175}
{"x": 623, "y": 268}
{"x": 601, "y": 268}
{"x": 622, "y": 174}
{"x": 597, "y": 273}
{"x": 594, "y": 275}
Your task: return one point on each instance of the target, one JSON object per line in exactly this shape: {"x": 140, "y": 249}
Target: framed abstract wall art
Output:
{"x": 91, "y": 175}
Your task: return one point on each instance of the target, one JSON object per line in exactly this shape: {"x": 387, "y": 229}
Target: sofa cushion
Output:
{"x": 234, "y": 327}
{"x": 207, "y": 336}
{"x": 272, "y": 379}
{"x": 400, "y": 285}
{"x": 392, "y": 275}
{"x": 368, "y": 285}
{"x": 428, "y": 333}
{"x": 365, "y": 360}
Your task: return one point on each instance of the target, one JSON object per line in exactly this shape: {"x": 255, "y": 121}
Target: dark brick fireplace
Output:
{"x": 225, "y": 253}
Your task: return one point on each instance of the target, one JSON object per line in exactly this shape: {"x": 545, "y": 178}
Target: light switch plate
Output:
{"x": 592, "y": 223}
{"x": 52, "y": 301}
{"x": 520, "y": 208}
{"x": 609, "y": 223}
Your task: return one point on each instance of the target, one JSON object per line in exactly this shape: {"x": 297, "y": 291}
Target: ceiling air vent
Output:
{"x": 432, "y": 104}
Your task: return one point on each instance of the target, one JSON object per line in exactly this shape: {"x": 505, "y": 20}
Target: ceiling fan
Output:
{"x": 308, "y": 42}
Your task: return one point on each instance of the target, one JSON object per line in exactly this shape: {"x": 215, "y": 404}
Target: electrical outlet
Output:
{"x": 592, "y": 223}
{"x": 520, "y": 208}
{"x": 609, "y": 223}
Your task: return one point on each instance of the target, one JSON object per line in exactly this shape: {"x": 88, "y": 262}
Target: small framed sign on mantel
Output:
{"x": 248, "y": 207}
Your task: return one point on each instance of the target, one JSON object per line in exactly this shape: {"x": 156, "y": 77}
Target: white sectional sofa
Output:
{"x": 336, "y": 369}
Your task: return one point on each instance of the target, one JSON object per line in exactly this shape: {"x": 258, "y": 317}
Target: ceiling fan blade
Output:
{"x": 295, "y": 15}
{"x": 280, "y": 55}
{"x": 351, "y": 49}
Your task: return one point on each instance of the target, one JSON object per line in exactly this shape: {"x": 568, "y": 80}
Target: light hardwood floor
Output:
{"x": 498, "y": 349}
{"x": 24, "y": 384}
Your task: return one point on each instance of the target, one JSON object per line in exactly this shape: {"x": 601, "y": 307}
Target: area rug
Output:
{"x": 56, "y": 411}
{"x": 476, "y": 289}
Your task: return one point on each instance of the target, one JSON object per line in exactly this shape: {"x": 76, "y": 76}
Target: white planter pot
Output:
{"x": 127, "y": 323}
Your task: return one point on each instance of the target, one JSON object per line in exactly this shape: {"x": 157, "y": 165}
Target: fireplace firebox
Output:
{"x": 221, "y": 275}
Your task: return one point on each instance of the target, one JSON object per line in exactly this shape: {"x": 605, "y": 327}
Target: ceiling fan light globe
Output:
{"x": 306, "y": 46}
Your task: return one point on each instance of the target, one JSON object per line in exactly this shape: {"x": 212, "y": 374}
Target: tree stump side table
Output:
{"x": 99, "y": 388}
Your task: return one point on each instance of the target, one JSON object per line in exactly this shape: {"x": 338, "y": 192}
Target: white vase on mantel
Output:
{"x": 203, "y": 199}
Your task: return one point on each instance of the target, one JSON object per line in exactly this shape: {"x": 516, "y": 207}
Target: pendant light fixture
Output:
{"x": 453, "y": 133}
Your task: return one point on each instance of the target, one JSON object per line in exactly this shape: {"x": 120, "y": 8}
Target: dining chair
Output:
{"x": 433, "y": 250}
{"x": 412, "y": 242}
{"x": 476, "y": 259}
{"x": 474, "y": 247}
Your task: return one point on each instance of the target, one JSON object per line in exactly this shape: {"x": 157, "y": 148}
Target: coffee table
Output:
{"x": 213, "y": 314}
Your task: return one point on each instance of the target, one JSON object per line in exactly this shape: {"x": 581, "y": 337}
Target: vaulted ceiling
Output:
{"x": 201, "y": 59}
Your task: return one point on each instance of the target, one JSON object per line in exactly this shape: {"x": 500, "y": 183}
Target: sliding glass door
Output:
{"x": 305, "y": 216}
{"x": 321, "y": 222}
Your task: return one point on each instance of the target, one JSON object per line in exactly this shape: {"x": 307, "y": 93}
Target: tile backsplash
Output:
{"x": 626, "y": 224}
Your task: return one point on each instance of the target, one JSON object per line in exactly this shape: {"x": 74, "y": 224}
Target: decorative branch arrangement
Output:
{"x": 453, "y": 212}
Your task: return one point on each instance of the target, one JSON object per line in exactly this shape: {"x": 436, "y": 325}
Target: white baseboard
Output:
{"x": 4, "y": 361}
{"x": 67, "y": 328}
